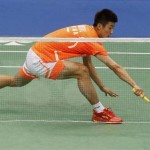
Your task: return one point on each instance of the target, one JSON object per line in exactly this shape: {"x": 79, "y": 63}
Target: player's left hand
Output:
{"x": 107, "y": 91}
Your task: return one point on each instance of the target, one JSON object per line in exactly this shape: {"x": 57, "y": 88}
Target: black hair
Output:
{"x": 104, "y": 16}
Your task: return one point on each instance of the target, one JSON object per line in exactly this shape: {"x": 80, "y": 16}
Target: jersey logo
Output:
{"x": 74, "y": 45}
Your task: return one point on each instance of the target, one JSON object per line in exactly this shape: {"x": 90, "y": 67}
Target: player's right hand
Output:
{"x": 138, "y": 91}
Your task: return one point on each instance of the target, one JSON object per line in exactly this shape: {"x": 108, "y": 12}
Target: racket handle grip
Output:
{"x": 142, "y": 96}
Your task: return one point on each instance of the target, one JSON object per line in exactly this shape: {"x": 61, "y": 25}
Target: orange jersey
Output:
{"x": 54, "y": 51}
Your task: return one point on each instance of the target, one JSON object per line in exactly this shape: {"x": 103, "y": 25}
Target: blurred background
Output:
{"x": 39, "y": 17}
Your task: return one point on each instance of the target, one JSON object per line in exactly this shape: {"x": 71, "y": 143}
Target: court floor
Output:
{"x": 81, "y": 136}
{"x": 54, "y": 115}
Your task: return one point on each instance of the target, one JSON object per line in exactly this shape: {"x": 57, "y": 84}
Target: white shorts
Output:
{"x": 34, "y": 67}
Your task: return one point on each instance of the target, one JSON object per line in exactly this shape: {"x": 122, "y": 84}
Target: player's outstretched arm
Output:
{"x": 120, "y": 72}
{"x": 93, "y": 74}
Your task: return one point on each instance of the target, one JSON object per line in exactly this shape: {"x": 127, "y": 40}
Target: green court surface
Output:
{"x": 53, "y": 115}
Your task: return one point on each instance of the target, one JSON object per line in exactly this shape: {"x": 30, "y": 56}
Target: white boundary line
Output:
{"x": 68, "y": 121}
{"x": 13, "y": 51}
{"x": 128, "y": 68}
{"x": 128, "y": 53}
{"x": 10, "y": 66}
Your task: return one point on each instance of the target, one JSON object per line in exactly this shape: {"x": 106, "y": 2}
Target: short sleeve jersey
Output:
{"x": 54, "y": 51}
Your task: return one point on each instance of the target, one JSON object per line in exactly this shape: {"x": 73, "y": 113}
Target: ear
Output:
{"x": 99, "y": 26}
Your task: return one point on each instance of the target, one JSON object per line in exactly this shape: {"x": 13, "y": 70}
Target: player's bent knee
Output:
{"x": 83, "y": 71}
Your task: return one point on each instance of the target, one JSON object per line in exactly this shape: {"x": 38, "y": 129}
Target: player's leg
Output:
{"x": 36, "y": 67}
{"x": 80, "y": 72}
{"x": 13, "y": 80}
{"x": 23, "y": 76}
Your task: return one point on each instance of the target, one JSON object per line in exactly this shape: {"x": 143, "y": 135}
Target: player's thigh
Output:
{"x": 71, "y": 70}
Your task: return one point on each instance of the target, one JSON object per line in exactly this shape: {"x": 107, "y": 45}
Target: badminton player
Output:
{"x": 51, "y": 60}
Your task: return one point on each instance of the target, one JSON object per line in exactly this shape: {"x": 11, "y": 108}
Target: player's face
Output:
{"x": 105, "y": 31}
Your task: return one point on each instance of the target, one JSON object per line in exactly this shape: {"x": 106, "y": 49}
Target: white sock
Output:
{"x": 98, "y": 107}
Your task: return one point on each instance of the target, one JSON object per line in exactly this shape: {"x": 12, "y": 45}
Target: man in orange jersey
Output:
{"x": 50, "y": 60}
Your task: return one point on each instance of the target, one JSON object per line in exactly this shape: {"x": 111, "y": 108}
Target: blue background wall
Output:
{"x": 38, "y": 17}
